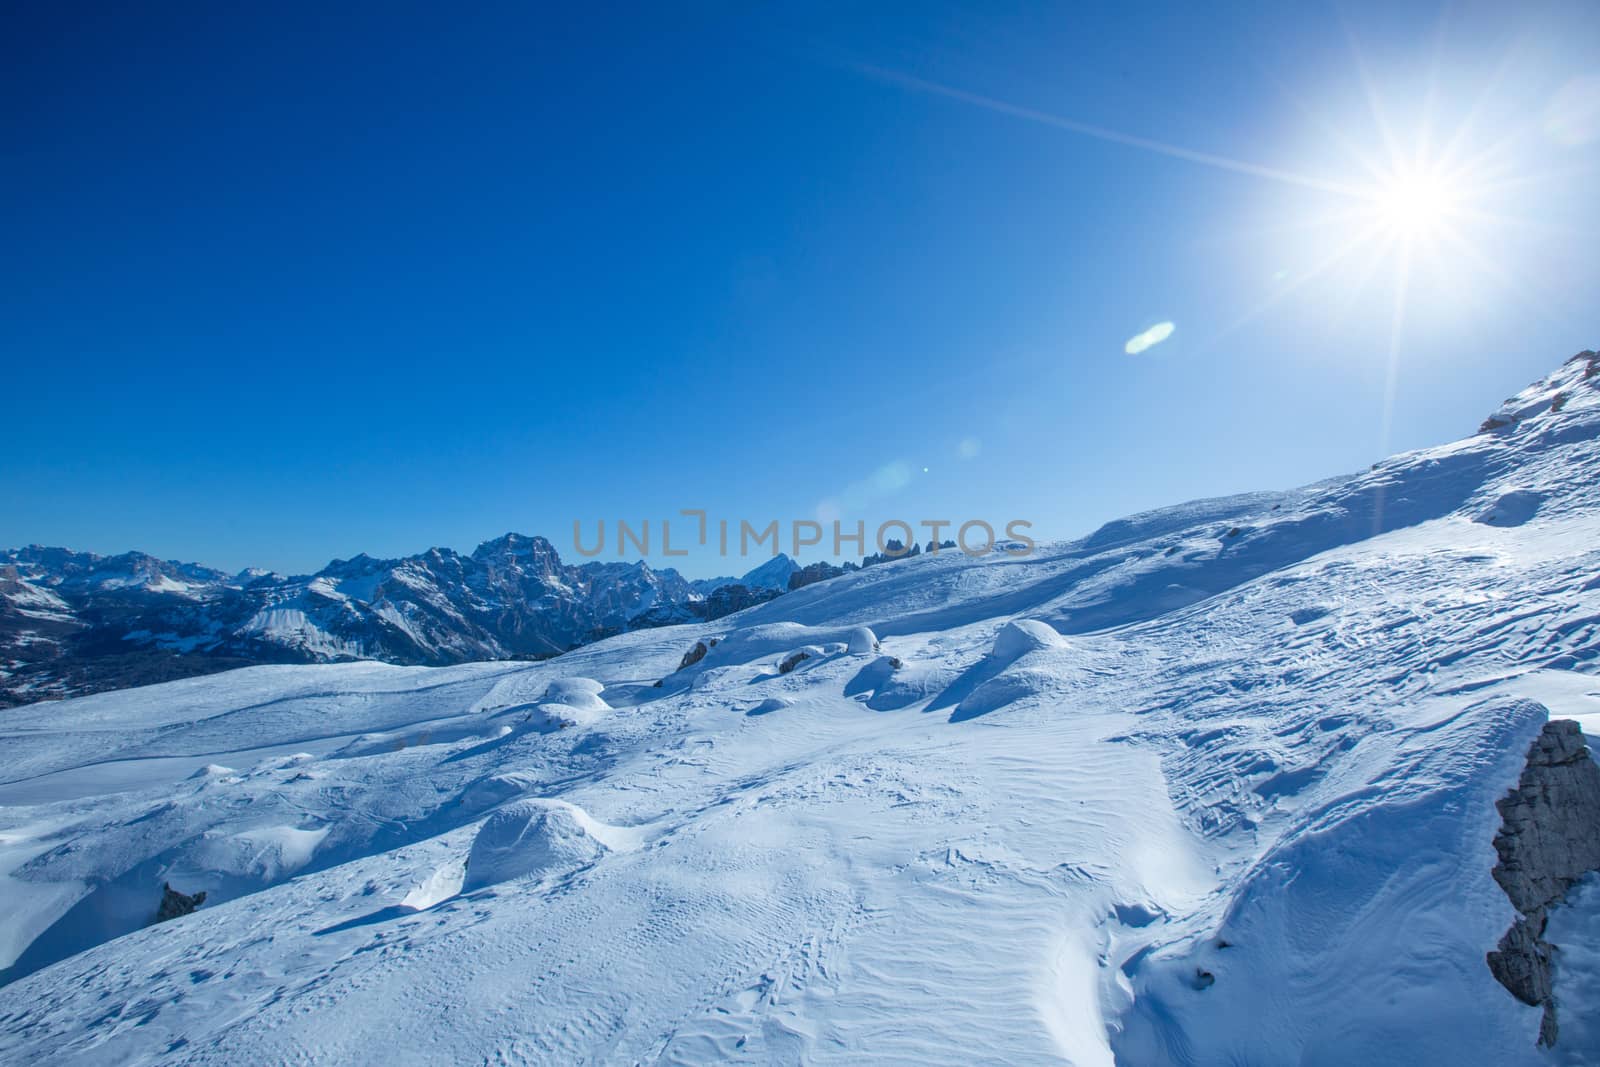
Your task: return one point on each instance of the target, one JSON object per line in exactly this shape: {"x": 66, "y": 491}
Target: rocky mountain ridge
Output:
{"x": 73, "y": 623}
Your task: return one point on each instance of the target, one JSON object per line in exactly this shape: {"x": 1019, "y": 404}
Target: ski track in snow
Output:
{"x": 1240, "y": 811}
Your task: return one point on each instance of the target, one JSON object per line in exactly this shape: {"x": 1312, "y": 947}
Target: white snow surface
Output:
{"x": 861, "y": 641}
{"x": 1212, "y": 785}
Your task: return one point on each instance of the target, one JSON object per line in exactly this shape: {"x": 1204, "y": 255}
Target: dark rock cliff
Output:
{"x": 1549, "y": 838}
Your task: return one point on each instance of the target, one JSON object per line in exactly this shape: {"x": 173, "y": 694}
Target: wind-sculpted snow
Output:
{"x": 1214, "y": 785}
{"x": 539, "y": 838}
{"x": 1362, "y": 927}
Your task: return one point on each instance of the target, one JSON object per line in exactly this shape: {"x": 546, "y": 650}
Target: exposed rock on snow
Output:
{"x": 1550, "y": 839}
{"x": 812, "y": 573}
{"x": 797, "y": 657}
{"x": 731, "y": 599}
{"x": 175, "y": 904}
{"x": 697, "y": 653}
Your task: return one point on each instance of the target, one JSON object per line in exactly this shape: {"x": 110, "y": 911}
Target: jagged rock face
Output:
{"x": 175, "y": 904}
{"x": 697, "y": 653}
{"x": 1550, "y": 835}
{"x": 813, "y": 573}
{"x": 1549, "y": 838}
{"x": 1533, "y": 401}
{"x": 1522, "y": 965}
{"x": 732, "y": 598}
{"x": 74, "y": 622}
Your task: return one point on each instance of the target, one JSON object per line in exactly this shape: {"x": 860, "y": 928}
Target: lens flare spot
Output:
{"x": 1153, "y": 336}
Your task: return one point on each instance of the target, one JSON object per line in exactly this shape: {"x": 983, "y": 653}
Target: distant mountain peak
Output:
{"x": 514, "y": 544}
{"x": 513, "y": 597}
{"x": 773, "y": 574}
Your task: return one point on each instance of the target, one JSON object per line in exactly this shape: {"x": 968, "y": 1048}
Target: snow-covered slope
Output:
{"x": 1215, "y": 784}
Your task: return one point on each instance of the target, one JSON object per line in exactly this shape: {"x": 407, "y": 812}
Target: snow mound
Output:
{"x": 536, "y": 837}
{"x": 770, "y": 705}
{"x": 1020, "y": 636}
{"x": 862, "y": 642}
{"x": 266, "y": 854}
{"x": 581, "y": 693}
{"x": 497, "y": 789}
{"x": 441, "y": 885}
{"x": 1001, "y": 690}
{"x": 1511, "y": 509}
{"x": 547, "y": 717}
{"x": 709, "y": 679}
{"x": 885, "y": 686}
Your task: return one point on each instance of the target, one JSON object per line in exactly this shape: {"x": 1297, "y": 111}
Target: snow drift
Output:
{"x": 536, "y": 838}
{"x": 1215, "y": 784}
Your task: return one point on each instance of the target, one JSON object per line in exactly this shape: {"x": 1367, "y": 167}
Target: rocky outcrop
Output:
{"x": 73, "y": 623}
{"x": 1549, "y": 838}
{"x": 1548, "y": 396}
{"x": 727, "y": 599}
{"x": 175, "y": 904}
{"x": 812, "y": 573}
{"x": 892, "y": 550}
{"x": 696, "y": 654}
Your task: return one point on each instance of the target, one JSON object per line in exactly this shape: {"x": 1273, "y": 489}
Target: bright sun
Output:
{"x": 1416, "y": 204}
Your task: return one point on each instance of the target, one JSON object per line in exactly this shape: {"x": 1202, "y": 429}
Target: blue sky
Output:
{"x": 285, "y": 286}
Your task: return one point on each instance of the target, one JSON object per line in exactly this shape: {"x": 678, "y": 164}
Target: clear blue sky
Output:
{"x": 281, "y": 284}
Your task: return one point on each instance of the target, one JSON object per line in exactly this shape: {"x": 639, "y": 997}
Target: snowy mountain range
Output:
{"x": 1287, "y": 777}
{"x": 73, "y": 623}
